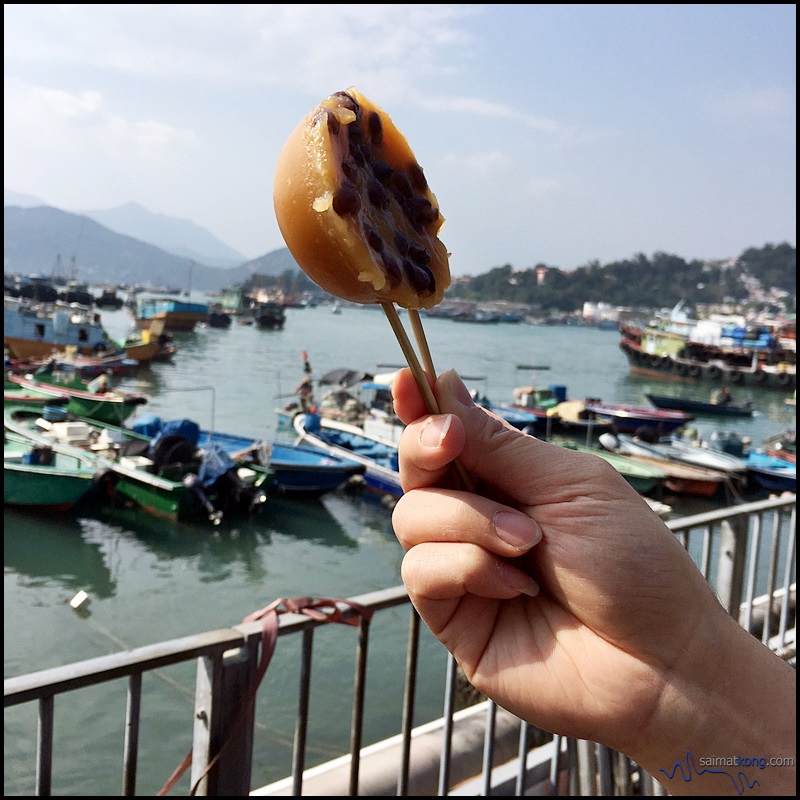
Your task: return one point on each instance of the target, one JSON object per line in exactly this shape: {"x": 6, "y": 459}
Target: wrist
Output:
{"x": 725, "y": 714}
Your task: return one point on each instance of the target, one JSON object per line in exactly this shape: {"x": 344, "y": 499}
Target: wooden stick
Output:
{"x": 411, "y": 357}
{"x": 419, "y": 373}
{"x": 422, "y": 343}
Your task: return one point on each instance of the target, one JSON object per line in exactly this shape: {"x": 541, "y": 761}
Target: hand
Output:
{"x": 558, "y": 590}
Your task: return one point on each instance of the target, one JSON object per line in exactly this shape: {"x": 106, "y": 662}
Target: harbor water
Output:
{"x": 149, "y": 580}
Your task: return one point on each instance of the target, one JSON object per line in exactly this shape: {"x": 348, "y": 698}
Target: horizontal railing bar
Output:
{"x": 57, "y": 680}
{"x": 102, "y": 669}
{"x": 730, "y": 512}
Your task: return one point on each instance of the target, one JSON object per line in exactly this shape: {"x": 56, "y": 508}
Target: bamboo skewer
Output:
{"x": 422, "y": 343}
{"x": 417, "y": 370}
{"x": 411, "y": 357}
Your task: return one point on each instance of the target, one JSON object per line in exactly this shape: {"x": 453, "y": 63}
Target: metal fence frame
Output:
{"x": 229, "y": 660}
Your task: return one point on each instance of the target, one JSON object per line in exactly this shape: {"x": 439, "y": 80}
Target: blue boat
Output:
{"x": 378, "y": 455}
{"x": 298, "y": 469}
{"x": 771, "y": 473}
{"x": 169, "y": 314}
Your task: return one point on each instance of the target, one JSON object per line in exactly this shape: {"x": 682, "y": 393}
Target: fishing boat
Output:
{"x": 45, "y": 477}
{"x": 783, "y": 445}
{"x": 643, "y": 477}
{"x": 681, "y": 452}
{"x": 681, "y": 349}
{"x": 34, "y": 330}
{"x": 111, "y": 405}
{"x": 172, "y": 313}
{"x": 679, "y": 478}
{"x": 703, "y": 407}
{"x": 770, "y": 473}
{"x": 166, "y": 475}
{"x": 573, "y": 418}
{"x": 296, "y": 468}
{"x": 631, "y": 419}
{"x": 379, "y": 456}
{"x": 352, "y": 396}
{"x": 269, "y": 315}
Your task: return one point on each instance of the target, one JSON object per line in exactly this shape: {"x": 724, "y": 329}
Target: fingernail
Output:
{"x": 434, "y": 430}
{"x": 516, "y": 529}
{"x": 518, "y": 580}
{"x": 457, "y": 388}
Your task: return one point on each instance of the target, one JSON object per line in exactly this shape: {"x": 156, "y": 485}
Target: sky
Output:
{"x": 550, "y": 134}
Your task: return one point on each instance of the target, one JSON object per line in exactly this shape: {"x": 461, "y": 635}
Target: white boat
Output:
{"x": 36, "y": 330}
{"x": 677, "y": 451}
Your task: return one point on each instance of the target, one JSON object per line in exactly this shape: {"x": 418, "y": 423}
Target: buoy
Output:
{"x": 80, "y": 601}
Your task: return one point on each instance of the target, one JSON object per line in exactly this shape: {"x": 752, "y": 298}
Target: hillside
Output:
{"x": 34, "y": 238}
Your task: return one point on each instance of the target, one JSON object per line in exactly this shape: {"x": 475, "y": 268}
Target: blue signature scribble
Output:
{"x": 740, "y": 782}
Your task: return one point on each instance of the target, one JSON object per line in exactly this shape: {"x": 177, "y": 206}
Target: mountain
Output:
{"x": 12, "y": 198}
{"x": 36, "y": 238}
{"x": 179, "y": 236}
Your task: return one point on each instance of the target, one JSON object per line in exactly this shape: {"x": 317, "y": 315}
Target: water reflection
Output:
{"x": 308, "y": 519}
{"x": 213, "y": 550}
{"x": 55, "y": 552}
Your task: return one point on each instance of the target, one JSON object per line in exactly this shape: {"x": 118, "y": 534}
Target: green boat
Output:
{"x": 643, "y": 477}
{"x": 46, "y": 477}
{"x": 111, "y": 405}
{"x": 167, "y": 476}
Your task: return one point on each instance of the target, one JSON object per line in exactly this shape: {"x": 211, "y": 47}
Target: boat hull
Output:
{"x": 162, "y": 486}
{"x": 57, "y": 485}
{"x": 110, "y": 407}
{"x": 297, "y": 469}
{"x": 629, "y": 419}
{"x": 666, "y": 356}
{"x": 643, "y": 477}
{"x": 378, "y": 456}
{"x": 32, "y": 332}
{"x": 699, "y": 407}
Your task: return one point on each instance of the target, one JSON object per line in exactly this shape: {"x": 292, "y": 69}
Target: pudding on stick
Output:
{"x": 357, "y": 214}
{"x": 355, "y": 209}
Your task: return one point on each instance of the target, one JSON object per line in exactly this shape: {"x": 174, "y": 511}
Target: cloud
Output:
{"x": 246, "y": 43}
{"x": 488, "y": 163}
{"x": 49, "y": 116}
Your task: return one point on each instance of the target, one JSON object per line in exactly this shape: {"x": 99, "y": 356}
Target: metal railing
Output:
{"x": 479, "y": 750}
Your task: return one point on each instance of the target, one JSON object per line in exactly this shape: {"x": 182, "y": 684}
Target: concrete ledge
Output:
{"x": 380, "y": 762}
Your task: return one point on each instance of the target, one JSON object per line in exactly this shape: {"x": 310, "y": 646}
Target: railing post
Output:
{"x": 730, "y": 569}
{"x": 224, "y": 722}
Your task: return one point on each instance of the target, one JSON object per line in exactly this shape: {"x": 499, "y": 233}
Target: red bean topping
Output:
{"x": 401, "y": 184}
{"x": 419, "y": 255}
{"x": 356, "y": 135}
{"x": 375, "y": 125}
{"x": 378, "y": 196}
{"x": 401, "y": 243}
{"x": 417, "y": 178}
{"x": 421, "y": 211}
{"x": 350, "y": 169}
{"x": 382, "y": 171}
{"x": 374, "y": 239}
{"x": 333, "y": 124}
{"x": 346, "y": 200}
{"x": 420, "y": 278}
{"x": 357, "y": 153}
{"x": 392, "y": 268}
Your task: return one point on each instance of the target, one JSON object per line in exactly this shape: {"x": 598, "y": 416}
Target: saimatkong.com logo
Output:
{"x": 732, "y": 766}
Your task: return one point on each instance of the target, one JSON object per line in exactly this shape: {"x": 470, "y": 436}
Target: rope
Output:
{"x": 320, "y": 609}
